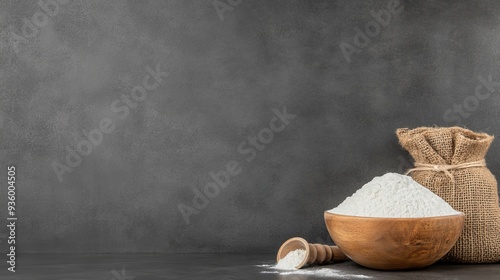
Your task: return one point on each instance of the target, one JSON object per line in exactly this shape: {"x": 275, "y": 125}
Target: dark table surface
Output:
{"x": 214, "y": 266}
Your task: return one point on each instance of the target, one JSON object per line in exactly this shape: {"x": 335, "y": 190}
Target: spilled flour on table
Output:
{"x": 286, "y": 266}
{"x": 318, "y": 272}
{"x": 321, "y": 272}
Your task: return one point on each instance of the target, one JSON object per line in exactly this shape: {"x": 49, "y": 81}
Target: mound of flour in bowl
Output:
{"x": 394, "y": 196}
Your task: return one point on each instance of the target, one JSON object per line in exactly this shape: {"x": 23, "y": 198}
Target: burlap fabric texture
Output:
{"x": 471, "y": 190}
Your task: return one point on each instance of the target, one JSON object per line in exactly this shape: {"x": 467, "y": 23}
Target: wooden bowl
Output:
{"x": 394, "y": 243}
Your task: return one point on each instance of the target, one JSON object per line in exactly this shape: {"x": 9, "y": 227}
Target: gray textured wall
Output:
{"x": 232, "y": 68}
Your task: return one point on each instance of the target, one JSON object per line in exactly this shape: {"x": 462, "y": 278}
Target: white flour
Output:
{"x": 292, "y": 259}
{"x": 318, "y": 272}
{"x": 396, "y": 196}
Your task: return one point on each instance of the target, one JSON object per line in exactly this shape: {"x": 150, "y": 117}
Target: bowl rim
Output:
{"x": 461, "y": 214}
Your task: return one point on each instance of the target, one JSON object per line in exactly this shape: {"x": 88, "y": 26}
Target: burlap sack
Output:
{"x": 471, "y": 190}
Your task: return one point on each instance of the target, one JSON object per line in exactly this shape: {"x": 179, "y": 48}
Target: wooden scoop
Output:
{"x": 315, "y": 253}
